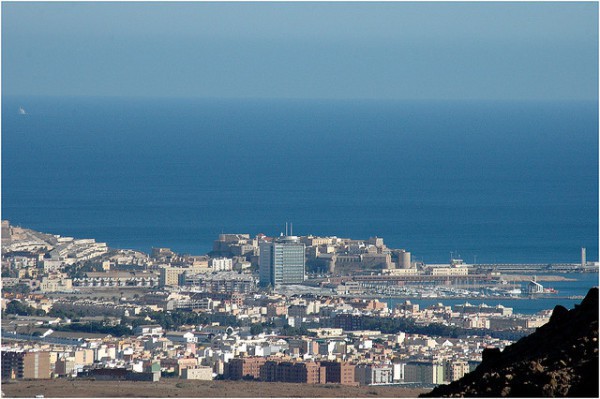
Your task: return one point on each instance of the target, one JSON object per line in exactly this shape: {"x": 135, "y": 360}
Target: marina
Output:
{"x": 570, "y": 292}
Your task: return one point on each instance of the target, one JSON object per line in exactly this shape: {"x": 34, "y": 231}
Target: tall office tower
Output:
{"x": 281, "y": 261}
{"x": 583, "y": 260}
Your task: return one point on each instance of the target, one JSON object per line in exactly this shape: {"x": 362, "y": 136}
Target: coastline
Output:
{"x": 470, "y": 298}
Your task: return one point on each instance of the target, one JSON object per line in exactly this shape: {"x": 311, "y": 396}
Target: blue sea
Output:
{"x": 500, "y": 181}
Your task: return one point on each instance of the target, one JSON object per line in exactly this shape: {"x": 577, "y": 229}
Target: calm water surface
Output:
{"x": 583, "y": 282}
{"x": 505, "y": 182}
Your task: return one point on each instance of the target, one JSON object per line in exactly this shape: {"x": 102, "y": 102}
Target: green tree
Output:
{"x": 19, "y": 308}
{"x": 256, "y": 329}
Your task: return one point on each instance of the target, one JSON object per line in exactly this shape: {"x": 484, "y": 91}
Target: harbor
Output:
{"x": 570, "y": 290}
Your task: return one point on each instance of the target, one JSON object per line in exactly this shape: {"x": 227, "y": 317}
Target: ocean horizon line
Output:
{"x": 5, "y": 97}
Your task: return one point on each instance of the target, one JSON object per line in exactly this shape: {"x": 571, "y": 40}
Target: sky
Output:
{"x": 391, "y": 50}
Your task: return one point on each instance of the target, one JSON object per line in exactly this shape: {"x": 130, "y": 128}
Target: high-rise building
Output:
{"x": 282, "y": 261}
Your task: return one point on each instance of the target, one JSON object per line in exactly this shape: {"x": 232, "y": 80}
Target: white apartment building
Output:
{"x": 221, "y": 264}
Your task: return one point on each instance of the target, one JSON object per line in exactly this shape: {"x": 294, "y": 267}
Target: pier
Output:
{"x": 535, "y": 267}
{"x": 426, "y": 279}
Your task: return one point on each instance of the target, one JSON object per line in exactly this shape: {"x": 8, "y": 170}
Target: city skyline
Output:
{"x": 151, "y": 152}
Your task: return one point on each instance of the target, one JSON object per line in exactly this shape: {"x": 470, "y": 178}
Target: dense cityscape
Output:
{"x": 303, "y": 309}
{"x": 438, "y": 160}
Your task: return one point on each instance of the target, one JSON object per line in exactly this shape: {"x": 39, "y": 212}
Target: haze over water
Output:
{"x": 502, "y": 181}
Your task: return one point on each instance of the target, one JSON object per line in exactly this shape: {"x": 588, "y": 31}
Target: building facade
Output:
{"x": 282, "y": 261}
{"x": 25, "y": 365}
{"x": 198, "y": 373}
{"x": 221, "y": 264}
{"x": 373, "y": 374}
{"x": 298, "y": 372}
{"x": 249, "y": 367}
{"x": 339, "y": 373}
{"x": 455, "y": 369}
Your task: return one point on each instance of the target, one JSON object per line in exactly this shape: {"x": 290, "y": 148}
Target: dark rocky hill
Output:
{"x": 559, "y": 359}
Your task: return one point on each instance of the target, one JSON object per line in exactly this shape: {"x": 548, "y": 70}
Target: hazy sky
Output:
{"x": 302, "y": 50}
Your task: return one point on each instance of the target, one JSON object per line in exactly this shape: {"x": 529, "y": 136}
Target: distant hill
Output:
{"x": 559, "y": 359}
